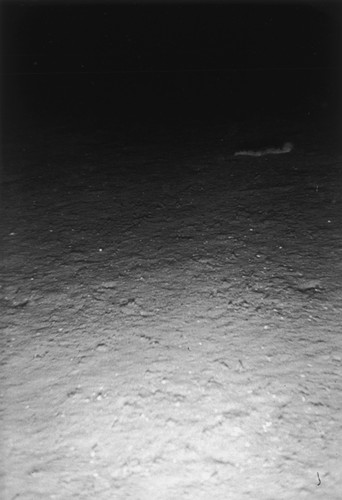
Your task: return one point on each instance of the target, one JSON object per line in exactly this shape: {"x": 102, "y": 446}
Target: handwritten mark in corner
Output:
{"x": 319, "y": 480}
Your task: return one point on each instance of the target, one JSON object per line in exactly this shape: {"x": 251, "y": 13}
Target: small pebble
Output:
{"x": 102, "y": 348}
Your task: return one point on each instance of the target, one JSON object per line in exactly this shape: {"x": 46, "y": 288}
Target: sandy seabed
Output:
{"x": 171, "y": 315}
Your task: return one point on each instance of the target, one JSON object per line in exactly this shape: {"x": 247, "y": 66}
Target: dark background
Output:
{"x": 105, "y": 63}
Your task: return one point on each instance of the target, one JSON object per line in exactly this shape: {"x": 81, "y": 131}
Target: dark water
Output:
{"x": 108, "y": 99}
